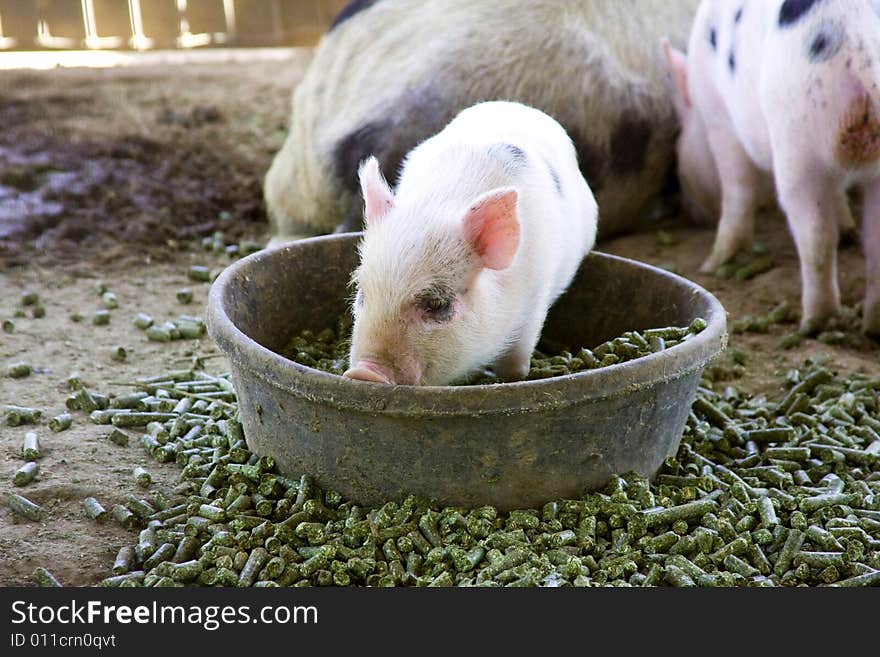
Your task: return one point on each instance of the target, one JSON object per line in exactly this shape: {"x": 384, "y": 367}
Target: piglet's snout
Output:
{"x": 366, "y": 370}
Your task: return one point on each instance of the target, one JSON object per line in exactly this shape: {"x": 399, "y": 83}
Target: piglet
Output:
{"x": 790, "y": 88}
{"x": 488, "y": 224}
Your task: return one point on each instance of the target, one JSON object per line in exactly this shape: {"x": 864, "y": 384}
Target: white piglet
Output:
{"x": 488, "y": 224}
{"x": 788, "y": 87}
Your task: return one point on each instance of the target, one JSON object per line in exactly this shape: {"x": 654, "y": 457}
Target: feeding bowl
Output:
{"x": 511, "y": 445}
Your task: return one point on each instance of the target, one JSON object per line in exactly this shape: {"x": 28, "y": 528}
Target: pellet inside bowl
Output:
{"x": 510, "y": 445}
{"x": 327, "y": 351}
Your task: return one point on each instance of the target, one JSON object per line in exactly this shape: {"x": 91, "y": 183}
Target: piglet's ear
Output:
{"x": 676, "y": 65}
{"x": 378, "y": 197}
{"x": 492, "y": 229}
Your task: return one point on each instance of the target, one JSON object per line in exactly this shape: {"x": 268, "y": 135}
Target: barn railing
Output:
{"x": 161, "y": 24}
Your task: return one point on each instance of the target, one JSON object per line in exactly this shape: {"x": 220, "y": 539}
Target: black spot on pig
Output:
{"x": 824, "y": 40}
{"x": 793, "y": 10}
{"x": 420, "y": 114}
{"x": 737, "y": 17}
{"x": 731, "y": 62}
{"x": 713, "y": 38}
{"x": 629, "y": 144}
{"x": 352, "y": 8}
{"x": 555, "y": 175}
{"x": 356, "y": 146}
{"x": 591, "y": 160}
{"x": 353, "y": 219}
{"x": 348, "y": 154}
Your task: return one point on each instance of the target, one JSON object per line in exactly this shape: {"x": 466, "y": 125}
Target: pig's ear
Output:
{"x": 492, "y": 229}
{"x": 676, "y": 65}
{"x": 378, "y": 197}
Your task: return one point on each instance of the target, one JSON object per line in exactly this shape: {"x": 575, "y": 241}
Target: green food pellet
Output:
{"x": 29, "y": 298}
{"x": 8, "y": 326}
{"x": 199, "y": 273}
{"x": 739, "y": 355}
{"x": 24, "y": 507}
{"x": 109, "y": 300}
{"x": 19, "y": 370}
{"x": 94, "y": 510}
{"x": 143, "y": 321}
{"x": 142, "y": 477}
{"x": 44, "y": 578}
{"x": 123, "y": 516}
{"x": 184, "y": 295}
{"x": 158, "y": 334}
{"x": 30, "y": 449}
{"x": 118, "y": 353}
{"x": 831, "y": 337}
{"x": 101, "y": 317}
{"x": 118, "y": 437}
{"x": 18, "y": 415}
{"x": 26, "y": 473}
{"x": 790, "y": 340}
{"x": 757, "y": 266}
{"x": 61, "y": 422}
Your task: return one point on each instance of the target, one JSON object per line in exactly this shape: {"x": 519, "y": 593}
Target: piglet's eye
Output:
{"x": 438, "y": 309}
{"x": 436, "y": 305}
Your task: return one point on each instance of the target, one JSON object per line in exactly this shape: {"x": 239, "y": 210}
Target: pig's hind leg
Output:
{"x": 815, "y": 205}
{"x": 741, "y": 181}
{"x": 871, "y": 248}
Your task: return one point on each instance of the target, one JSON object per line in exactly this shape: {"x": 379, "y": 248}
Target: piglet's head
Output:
{"x": 424, "y": 299}
{"x": 697, "y": 172}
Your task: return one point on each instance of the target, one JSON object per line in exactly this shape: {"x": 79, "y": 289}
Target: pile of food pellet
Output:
{"x": 843, "y": 329}
{"x": 328, "y": 351}
{"x": 761, "y": 493}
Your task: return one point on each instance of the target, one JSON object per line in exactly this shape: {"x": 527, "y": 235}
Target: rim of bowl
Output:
{"x": 431, "y": 401}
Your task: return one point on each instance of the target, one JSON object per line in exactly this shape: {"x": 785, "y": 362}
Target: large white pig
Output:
{"x": 785, "y": 91}
{"x": 391, "y": 73}
{"x": 459, "y": 265}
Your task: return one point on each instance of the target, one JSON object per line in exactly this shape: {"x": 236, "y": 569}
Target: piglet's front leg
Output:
{"x": 871, "y": 247}
{"x": 815, "y": 205}
{"x": 513, "y": 364}
{"x": 740, "y": 184}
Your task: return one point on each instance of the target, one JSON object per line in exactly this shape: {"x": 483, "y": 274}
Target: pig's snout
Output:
{"x": 366, "y": 370}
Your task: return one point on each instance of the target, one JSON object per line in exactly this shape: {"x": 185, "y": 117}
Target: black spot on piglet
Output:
{"x": 514, "y": 152}
{"x": 352, "y": 8}
{"x": 824, "y": 40}
{"x": 793, "y": 10}
{"x": 510, "y": 156}
{"x": 731, "y": 62}
{"x": 713, "y": 38}
{"x": 553, "y": 174}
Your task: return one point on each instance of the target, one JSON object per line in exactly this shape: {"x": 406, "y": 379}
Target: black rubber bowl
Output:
{"x": 510, "y": 445}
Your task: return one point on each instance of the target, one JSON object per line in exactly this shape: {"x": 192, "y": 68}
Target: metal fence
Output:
{"x": 161, "y": 24}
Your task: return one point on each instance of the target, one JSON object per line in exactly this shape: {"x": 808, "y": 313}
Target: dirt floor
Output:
{"x": 114, "y": 177}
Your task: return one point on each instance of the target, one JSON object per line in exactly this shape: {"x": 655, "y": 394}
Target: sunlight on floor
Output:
{"x": 49, "y": 59}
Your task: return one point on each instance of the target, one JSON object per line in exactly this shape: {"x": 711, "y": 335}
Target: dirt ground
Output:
{"x": 115, "y": 176}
